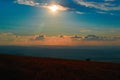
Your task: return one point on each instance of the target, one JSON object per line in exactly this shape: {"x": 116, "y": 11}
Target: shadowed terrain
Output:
{"x": 33, "y": 68}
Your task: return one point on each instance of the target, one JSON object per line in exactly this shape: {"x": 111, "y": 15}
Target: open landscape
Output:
{"x": 59, "y": 39}
{"x": 34, "y": 68}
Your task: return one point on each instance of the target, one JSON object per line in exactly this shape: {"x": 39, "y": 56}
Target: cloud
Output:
{"x": 106, "y": 5}
{"x": 85, "y": 30}
{"x": 103, "y": 6}
{"x": 60, "y": 8}
{"x": 40, "y": 4}
{"x": 92, "y": 37}
{"x": 38, "y": 37}
{"x": 27, "y": 2}
{"x": 77, "y": 38}
{"x": 101, "y": 12}
{"x": 78, "y": 12}
{"x": 109, "y": 0}
{"x": 61, "y": 40}
{"x": 7, "y": 37}
{"x": 101, "y": 38}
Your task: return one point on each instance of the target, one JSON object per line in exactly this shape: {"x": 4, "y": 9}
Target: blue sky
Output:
{"x": 75, "y": 22}
{"x": 30, "y": 16}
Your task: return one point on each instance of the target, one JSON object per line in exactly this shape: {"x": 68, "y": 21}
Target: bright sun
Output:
{"x": 53, "y": 8}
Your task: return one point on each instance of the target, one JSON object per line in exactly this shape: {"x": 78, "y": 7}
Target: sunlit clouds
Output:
{"x": 56, "y": 8}
{"x": 60, "y": 40}
{"x": 53, "y": 7}
{"x": 107, "y": 6}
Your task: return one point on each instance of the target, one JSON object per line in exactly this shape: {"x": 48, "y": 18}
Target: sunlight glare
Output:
{"x": 54, "y": 8}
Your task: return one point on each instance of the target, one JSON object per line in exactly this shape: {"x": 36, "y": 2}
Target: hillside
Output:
{"x": 33, "y": 68}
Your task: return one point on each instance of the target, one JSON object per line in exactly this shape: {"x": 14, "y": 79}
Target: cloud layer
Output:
{"x": 101, "y": 6}
{"x": 105, "y": 5}
{"x": 62, "y": 40}
{"x": 40, "y": 4}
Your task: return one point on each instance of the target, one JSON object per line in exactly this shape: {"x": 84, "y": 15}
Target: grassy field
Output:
{"x": 33, "y": 68}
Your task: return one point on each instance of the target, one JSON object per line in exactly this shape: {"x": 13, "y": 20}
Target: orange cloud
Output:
{"x": 63, "y": 40}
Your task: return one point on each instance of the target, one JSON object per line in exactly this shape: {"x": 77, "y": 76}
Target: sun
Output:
{"x": 53, "y": 8}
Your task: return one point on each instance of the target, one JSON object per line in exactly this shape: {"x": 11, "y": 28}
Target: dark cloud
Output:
{"x": 101, "y": 38}
{"x": 39, "y": 37}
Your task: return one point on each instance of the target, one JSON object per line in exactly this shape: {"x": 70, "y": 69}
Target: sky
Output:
{"x": 73, "y": 22}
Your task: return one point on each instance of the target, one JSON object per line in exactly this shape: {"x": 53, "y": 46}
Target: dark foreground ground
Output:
{"x": 31, "y": 68}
